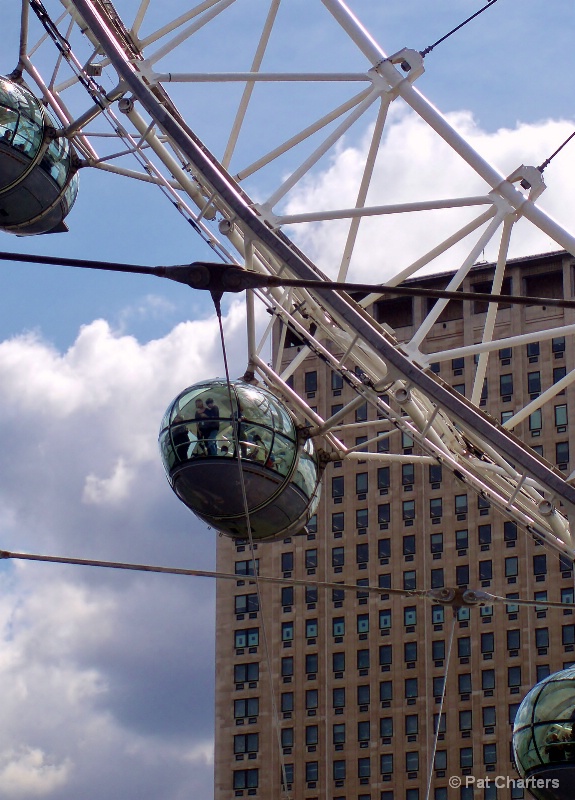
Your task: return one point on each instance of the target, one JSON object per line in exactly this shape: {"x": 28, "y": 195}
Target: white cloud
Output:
{"x": 415, "y": 164}
{"x": 110, "y": 694}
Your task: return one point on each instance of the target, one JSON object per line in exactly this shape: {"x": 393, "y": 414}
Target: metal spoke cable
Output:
{"x": 216, "y": 297}
{"x": 547, "y": 161}
{"x": 438, "y": 727}
{"x": 427, "y": 50}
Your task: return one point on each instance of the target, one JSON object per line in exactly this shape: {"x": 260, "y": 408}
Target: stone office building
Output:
{"x": 353, "y": 701}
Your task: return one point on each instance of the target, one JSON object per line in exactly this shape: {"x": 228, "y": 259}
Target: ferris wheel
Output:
{"x": 129, "y": 92}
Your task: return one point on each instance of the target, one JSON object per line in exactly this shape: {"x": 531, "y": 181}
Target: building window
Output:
{"x": 461, "y": 504}
{"x": 412, "y": 724}
{"x": 336, "y": 381}
{"x": 363, "y": 695}
{"x": 311, "y": 771}
{"x": 437, "y": 615}
{"x": 511, "y": 567}
{"x": 410, "y": 616}
{"x": 337, "y": 556}
{"x": 361, "y": 413}
{"x": 408, "y": 509}
{"x": 310, "y": 628}
{"x": 514, "y": 676}
{"x": 409, "y": 651}
{"x": 487, "y": 679}
{"x": 409, "y": 580}
{"x": 361, "y": 518}
{"x": 386, "y": 727}
{"x": 287, "y": 562}
{"x": 311, "y": 698}
{"x": 311, "y": 559}
{"x": 247, "y": 567}
{"x": 435, "y": 473}
{"x": 310, "y": 382}
{"x": 436, "y": 543}
{"x": 513, "y": 639}
{"x": 362, "y": 553}
{"x": 363, "y": 623}
{"x": 435, "y": 507}
{"x": 247, "y": 743}
{"x": 461, "y": 540}
{"x": 383, "y": 514}
{"x": 410, "y": 688}
{"x": 248, "y": 707}
{"x": 386, "y": 763}
{"x": 490, "y": 753}
{"x": 248, "y": 637}
{"x": 484, "y": 534}
{"x": 407, "y": 474}
{"x": 384, "y": 548}
{"x": 485, "y": 570}
{"x": 363, "y": 659}
{"x": 540, "y": 565}
{"x": 462, "y": 575}
{"x": 534, "y": 382}
{"x": 339, "y": 770}
{"x": 509, "y": 531}
{"x": 409, "y": 545}
{"x": 383, "y": 478}
{"x": 337, "y": 486}
{"x": 386, "y": 691}
{"x": 361, "y": 483}
{"x": 385, "y": 619}
{"x": 437, "y": 578}
{"x": 412, "y": 761}
{"x": 464, "y": 647}
{"x": 338, "y": 626}
{"x": 287, "y": 631}
{"x": 464, "y": 683}
{"x": 337, "y": 521}
{"x": 465, "y": 720}
{"x": 246, "y": 603}
{"x": 561, "y": 416}
{"x": 438, "y": 649}
{"x": 541, "y": 637}
{"x": 506, "y": 385}
{"x": 246, "y": 779}
{"x": 244, "y": 673}
{"x": 562, "y": 452}
{"x": 339, "y": 697}
{"x": 466, "y": 757}
{"x": 536, "y": 422}
{"x": 487, "y": 642}
{"x": 287, "y": 737}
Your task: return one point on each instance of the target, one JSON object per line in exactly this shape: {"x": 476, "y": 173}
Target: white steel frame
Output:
{"x": 138, "y": 122}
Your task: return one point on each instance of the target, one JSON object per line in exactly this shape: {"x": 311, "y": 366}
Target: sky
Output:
{"x": 108, "y": 676}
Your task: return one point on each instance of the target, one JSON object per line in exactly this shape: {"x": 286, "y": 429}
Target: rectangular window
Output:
{"x": 249, "y": 637}
{"x": 466, "y": 757}
{"x": 287, "y": 666}
{"x": 511, "y": 567}
{"x": 385, "y": 654}
{"x": 363, "y": 623}
{"x": 246, "y": 603}
{"x": 410, "y": 688}
{"x": 462, "y": 575}
{"x": 541, "y": 637}
{"x": 464, "y": 683}
{"x": 409, "y": 580}
{"x": 562, "y": 452}
{"x": 465, "y": 720}
{"x": 485, "y": 570}
{"x": 384, "y": 548}
{"x": 310, "y": 382}
{"x": 361, "y": 483}
{"x": 336, "y": 381}
{"x": 311, "y": 558}
{"x": 464, "y": 647}
{"x": 487, "y": 642}
{"x": 534, "y": 382}
{"x": 436, "y": 543}
{"x": 383, "y": 514}
{"x": 484, "y": 534}
{"x": 337, "y": 556}
{"x": 362, "y": 553}
{"x": 461, "y": 504}
{"x": 386, "y": 690}
{"x": 361, "y": 518}
{"x": 408, "y": 509}
{"x": 438, "y": 649}
{"x": 540, "y": 564}
{"x": 339, "y": 697}
{"x": 536, "y": 421}
{"x": 410, "y": 616}
{"x": 435, "y": 507}
{"x": 409, "y": 651}
{"x": 514, "y": 676}
{"x": 383, "y": 478}
{"x": 287, "y": 631}
{"x": 246, "y": 672}
{"x": 310, "y": 628}
{"x": 337, "y": 520}
{"x": 311, "y": 771}
{"x": 362, "y": 659}
{"x": 407, "y": 474}
{"x": 437, "y": 578}
{"x": 506, "y": 384}
{"x": 386, "y": 763}
{"x": 514, "y": 639}
{"x": 287, "y": 562}
{"x": 560, "y": 415}
{"x": 386, "y": 727}
{"x": 337, "y": 486}
{"x": 461, "y": 540}
{"x": 311, "y": 735}
{"x": 411, "y": 724}
{"x": 385, "y": 619}
{"x": 338, "y": 626}
{"x": 435, "y": 473}
{"x": 409, "y": 545}
{"x": 509, "y": 531}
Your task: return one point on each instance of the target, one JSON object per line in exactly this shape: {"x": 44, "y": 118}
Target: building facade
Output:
{"x": 351, "y": 705}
